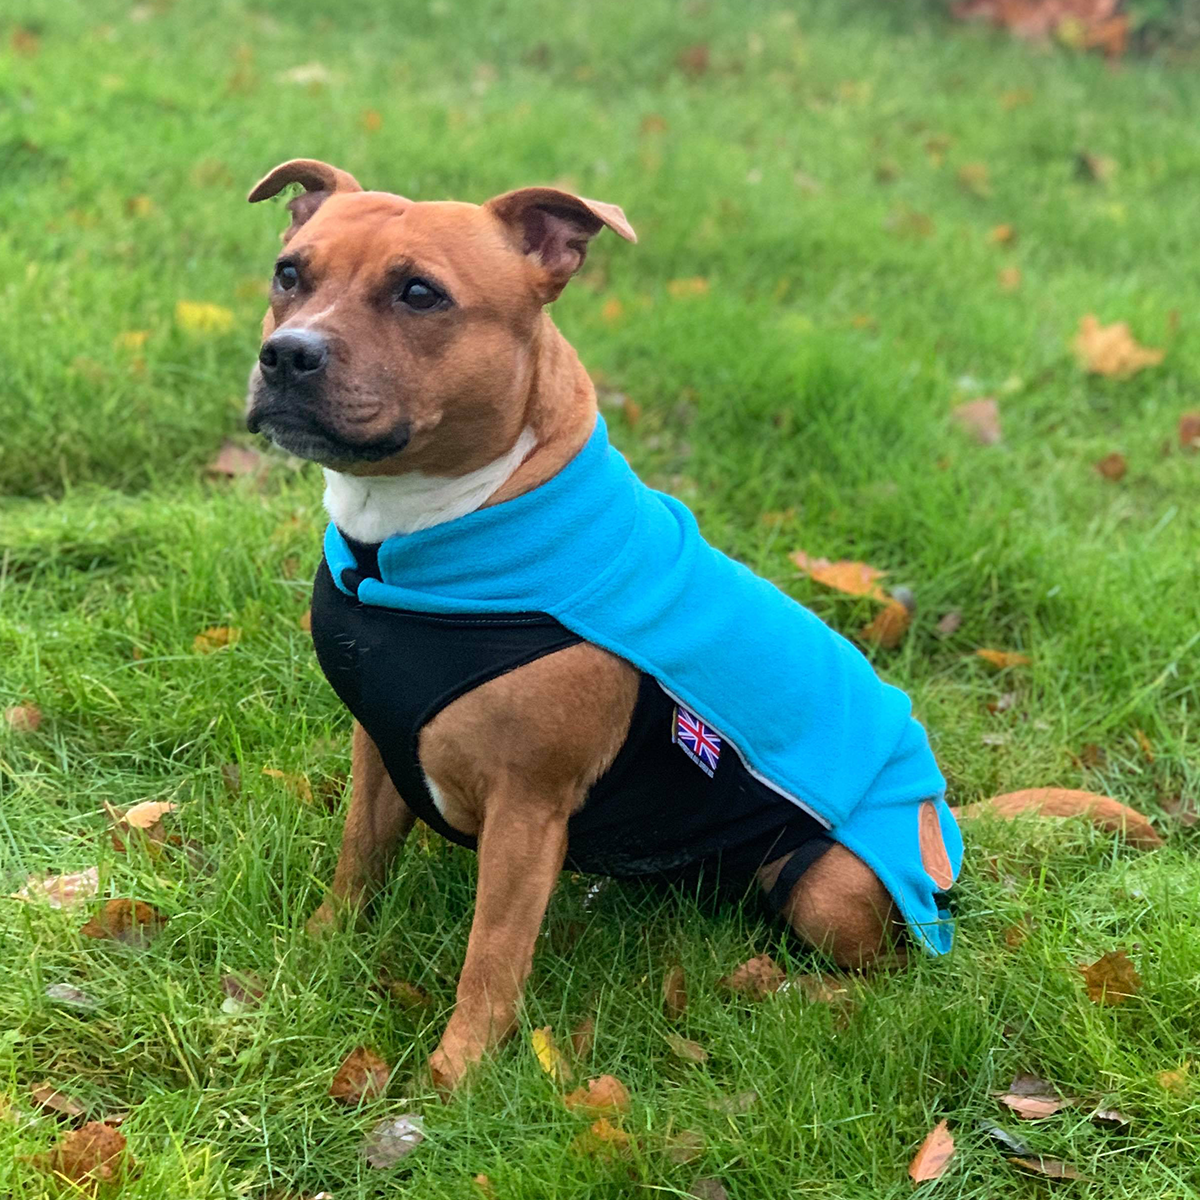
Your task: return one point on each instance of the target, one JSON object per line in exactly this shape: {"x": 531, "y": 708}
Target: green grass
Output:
{"x": 764, "y": 395}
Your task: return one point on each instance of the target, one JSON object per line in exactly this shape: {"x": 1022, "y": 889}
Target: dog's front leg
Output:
{"x": 376, "y": 826}
{"x": 521, "y": 850}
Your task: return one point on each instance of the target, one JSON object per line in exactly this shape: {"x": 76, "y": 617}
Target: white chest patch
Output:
{"x": 371, "y": 508}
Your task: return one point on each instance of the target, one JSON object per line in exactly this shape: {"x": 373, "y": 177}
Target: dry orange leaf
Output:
{"x": 371, "y": 120}
{"x": 888, "y": 628}
{"x": 1009, "y": 278}
{"x": 216, "y": 637}
{"x": 61, "y": 891}
{"x": 1189, "y": 431}
{"x": 233, "y": 461}
{"x": 89, "y": 1157}
{"x": 602, "y": 1137}
{"x": 853, "y": 578}
{"x": 1002, "y": 235}
{"x": 131, "y": 922}
{"x": 1111, "y": 979}
{"x": 1103, "y": 811}
{"x": 612, "y": 311}
{"x": 1003, "y": 659}
{"x": 674, "y": 992}
{"x": 46, "y": 1095}
{"x": 363, "y": 1075}
{"x": 23, "y": 718}
{"x": 296, "y": 783}
{"x": 1113, "y": 466}
{"x": 757, "y": 978}
{"x": 931, "y": 1161}
{"x": 604, "y": 1095}
{"x": 1110, "y": 350}
{"x": 689, "y": 1051}
{"x": 679, "y": 289}
{"x": 981, "y": 419}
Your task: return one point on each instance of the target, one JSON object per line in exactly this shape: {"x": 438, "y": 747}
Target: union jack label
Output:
{"x": 700, "y": 743}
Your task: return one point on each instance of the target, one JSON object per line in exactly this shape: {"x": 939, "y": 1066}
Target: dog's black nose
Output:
{"x": 292, "y": 354}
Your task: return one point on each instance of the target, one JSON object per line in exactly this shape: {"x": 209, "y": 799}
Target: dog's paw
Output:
{"x": 447, "y": 1071}
{"x": 325, "y": 920}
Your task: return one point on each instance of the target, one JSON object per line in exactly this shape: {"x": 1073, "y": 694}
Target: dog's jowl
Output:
{"x": 544, "y": 659}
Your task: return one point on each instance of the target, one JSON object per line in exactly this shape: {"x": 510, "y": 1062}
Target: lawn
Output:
{"x": 833, "y": 173}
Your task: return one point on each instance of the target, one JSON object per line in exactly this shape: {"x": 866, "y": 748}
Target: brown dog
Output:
{"x": 408, "y": 350}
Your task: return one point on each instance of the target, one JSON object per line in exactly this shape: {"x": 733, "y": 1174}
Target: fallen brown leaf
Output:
{"x": 1009, "y": 278}
{"x": 1052, "y": 1168}
{"x": 707, "y": 1189}
{"x": 305, "y": 621}
{"x": 1032, "y": 1098}
{"x": 46, "y": 1095}
{"x": 72, "y": 997}
{"x": 144, "y": 819}
{"x": 130, "y": 922}
{"x": 89, "y": 1157}
{"x": 949, "y": 624}
{"x": 216, "y": 637}
{"x": 1110, "y": 1118}
{"x": 1092, "y": 756}
{"x": 242, "y": 988}
{"x": 392, "y": 1139}
{"x": 371, "y": 120}
{"x": 687, "y": 1050}
{"x": 604, "y": 1095}
{"x": 1183, "y": 809}
{"x": 695, "y": 60}
{"x": 1004, "y": 659}
{"x": 653, "y": 123}
{"x": 61, "y": 891}
{"x": 1103, "y": 811}
{"x": 23, "y": 718}
{"x": 582, "y": 1037}
{"x": 1144, "y": 744}
{"x": 1113, "y": 466}
{"x": 233, "y": 461}
{"x": 732, "y": 1105}
{"x": 981, "y": 419}
{"x": 408, "y": 995}
{"x": 484, "y": 1184}
{"x": 932, "y": 1159}
{"x": 975, "y": 179}
{"x": 1189, "y": 432}
{"x": 363, "y": 1075}
{"x": 1002, "y": 235}
{"x": 853, "y": 578}
{"x": 685, "y": 1146}
{"x": 1111, "y": 350}
{"x": 756, "y": 978}
{"x": 1111, "y": 979}
{"x": 674, "y": 993}
{"x": 889, "y": 626}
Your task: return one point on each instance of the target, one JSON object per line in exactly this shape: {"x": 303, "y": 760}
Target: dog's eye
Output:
{"x": 286, "y": 276}
{"x": 420, "y": 295}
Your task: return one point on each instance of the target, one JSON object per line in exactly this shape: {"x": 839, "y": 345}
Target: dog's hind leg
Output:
{"x": 376, "y": 826}
{"x": 839, "y": 907}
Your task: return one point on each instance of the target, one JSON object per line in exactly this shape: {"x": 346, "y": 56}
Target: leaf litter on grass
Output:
{"x": 934, "y": 1155}
{"x": 363, "y": 1075}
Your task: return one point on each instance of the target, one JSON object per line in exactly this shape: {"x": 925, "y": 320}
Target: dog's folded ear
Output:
{"x": 553, "y": 229}
{"x": 320, "y": 181}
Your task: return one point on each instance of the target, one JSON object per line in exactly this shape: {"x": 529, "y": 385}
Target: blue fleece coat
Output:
{"x": 625, "y": 567}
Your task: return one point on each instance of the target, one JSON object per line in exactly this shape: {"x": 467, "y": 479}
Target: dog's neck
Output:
{"x": 372, "y": 508}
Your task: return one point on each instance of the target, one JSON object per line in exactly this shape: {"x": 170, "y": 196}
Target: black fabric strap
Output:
{"x": 793, "y": 868}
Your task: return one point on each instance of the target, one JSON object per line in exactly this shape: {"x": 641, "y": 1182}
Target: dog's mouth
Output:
{"x": 306, "y": 436}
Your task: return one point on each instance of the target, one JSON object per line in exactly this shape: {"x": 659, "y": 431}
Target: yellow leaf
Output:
{"x": 1003, "y": 659}
{"x": 1110, "y": 350}
{"x": 678, "y": 289}
{"x": 198, "y": 316}
{"x": 297, "y": 784}
{"x": 139, "y": 206}
{"x": 549, "y": 1056}
{"x": 1177, "y": 1080}
{"x": 132, "y": 339}
{"x": 216, "y": 637}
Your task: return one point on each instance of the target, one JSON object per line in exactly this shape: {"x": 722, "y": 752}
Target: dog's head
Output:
{"x": 403, "y": 335}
